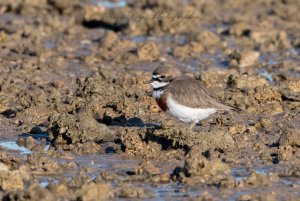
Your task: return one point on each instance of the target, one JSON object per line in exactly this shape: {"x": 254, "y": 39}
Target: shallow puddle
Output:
{"x": 109, "y": 4}
{"x": 15, "y": 147}
{"x": 159, "y": 191}
{"x": 12, "y": 145}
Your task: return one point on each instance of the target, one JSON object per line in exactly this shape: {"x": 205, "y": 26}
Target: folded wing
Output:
{"x": 191, "y": 93}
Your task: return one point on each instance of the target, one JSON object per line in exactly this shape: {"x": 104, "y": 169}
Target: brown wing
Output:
{"x": 191, "y": 93}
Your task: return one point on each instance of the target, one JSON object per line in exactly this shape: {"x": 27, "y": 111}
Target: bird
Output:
{"x": 182, "y": 96}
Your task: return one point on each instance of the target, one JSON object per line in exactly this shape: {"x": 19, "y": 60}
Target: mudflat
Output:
{"x": 77, "y": 121}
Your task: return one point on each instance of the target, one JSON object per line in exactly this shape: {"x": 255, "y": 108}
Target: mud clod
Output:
{"x": 93, "y": 192}
{"x": 81, "y": 128}
{"x": 290, "y": 137}
{"x": 29, "y": 142}
{"x": 246, "y": 58}
{"x": 131, "y": 192}
{"x": 11, "y": 180}
{"x": 261, "y": 180}
{"x": 184, "y": 137}
{"x": 199, "y": 166}
{"x": 148, "y": 52}
{"x": 135, "y": 145}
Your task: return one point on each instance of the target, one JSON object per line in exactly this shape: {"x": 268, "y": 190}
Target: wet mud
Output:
{"x": 77, "y": 121}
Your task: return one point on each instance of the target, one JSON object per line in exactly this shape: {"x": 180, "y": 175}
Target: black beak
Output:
{"x": 148, "y": 81}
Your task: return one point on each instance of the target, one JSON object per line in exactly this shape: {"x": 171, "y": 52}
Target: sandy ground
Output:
{"x": 78, "y": 123}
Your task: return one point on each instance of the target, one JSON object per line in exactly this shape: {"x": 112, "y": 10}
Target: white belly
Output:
{"x": 188, "y": 114}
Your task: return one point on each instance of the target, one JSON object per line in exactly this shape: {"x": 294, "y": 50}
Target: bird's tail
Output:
{"x": 230, "y": 108}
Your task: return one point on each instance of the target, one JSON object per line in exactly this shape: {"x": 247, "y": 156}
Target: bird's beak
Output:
{"x": 148, "y": 81}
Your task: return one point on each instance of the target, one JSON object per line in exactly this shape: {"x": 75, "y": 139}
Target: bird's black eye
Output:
{"x": 163, "y": 76}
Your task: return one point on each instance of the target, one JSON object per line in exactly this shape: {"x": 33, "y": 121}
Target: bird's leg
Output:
{"x": 192, "y": 125}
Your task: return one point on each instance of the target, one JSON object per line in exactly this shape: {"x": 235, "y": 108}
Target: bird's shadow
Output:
{"x": 135, "y": 122}
{"x": 38, "y": 133}
{"x": 122, "y": 121}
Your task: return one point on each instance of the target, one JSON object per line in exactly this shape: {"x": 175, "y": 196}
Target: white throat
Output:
{"x": 157, "y": 84}
{"x": 157, "y": 94}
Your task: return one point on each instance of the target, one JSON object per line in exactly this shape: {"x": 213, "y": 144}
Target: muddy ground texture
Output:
{"x": 72, "y": 96}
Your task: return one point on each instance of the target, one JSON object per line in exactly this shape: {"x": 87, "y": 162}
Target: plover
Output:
{"x": 183, "y": 97}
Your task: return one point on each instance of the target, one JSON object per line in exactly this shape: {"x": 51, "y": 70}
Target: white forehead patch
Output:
{"x": 155, "y": 76}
